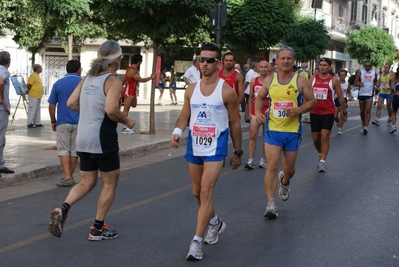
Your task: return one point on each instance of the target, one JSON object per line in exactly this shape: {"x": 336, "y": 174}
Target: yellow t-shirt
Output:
{"x": 384, "y": 87}
{"x": 36, "y": 90}
{"x": 281, "y": 97}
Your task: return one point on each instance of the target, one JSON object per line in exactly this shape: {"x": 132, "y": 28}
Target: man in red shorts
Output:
{"x": 129, "y": 93}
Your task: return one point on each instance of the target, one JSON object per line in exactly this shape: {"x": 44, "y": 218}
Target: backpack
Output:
{"x": 352, "y": 78}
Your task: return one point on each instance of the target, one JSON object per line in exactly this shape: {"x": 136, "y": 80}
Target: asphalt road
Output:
{"x": 347, "y": 216}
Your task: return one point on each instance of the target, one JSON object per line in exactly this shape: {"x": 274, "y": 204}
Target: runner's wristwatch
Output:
{"x": 238, "y": 152}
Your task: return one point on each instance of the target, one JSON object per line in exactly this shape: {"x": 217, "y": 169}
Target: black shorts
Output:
{"x": 104, "y": 162}
{"x": 395, "y": 102}
{"x": 363, "y": 98}
{"x": 337, "y": 104}
{"x": 319, "y": 122}
{"x": 246, "y": 97}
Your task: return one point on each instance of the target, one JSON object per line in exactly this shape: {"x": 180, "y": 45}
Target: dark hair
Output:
{"x": 36, "y": 67}
{"x": 73, "y": 66}
{"x": 346, "y": 72}
{"x": 4, "y": 58}
{"x": 137, "y": 58}
{"x": 212, "y": 47}
{"x": 230, "y": 54}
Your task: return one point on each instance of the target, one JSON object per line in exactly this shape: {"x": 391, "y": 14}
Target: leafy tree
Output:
{"x": 254, "y": 25}
{"x": 372, "y": 44}
{"x": 308, "y": 37}
{"x": 157, "y": 23}
{"x": 9, "y": 11}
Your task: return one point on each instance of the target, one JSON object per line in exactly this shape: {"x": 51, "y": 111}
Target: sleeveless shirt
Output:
{"x": 209, "y": 125}
{"x": 324, "y": 94}
{"x": 96, "y": 131}
{"x": 282, "y": 96}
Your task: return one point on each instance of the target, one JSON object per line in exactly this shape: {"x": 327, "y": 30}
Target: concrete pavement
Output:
{"x": 32, "y": 154}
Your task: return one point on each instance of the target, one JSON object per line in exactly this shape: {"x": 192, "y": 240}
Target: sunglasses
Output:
{"x": 209, "y": 60}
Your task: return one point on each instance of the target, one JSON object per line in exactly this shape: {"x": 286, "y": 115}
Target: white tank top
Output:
{"x": 344, "y": 87}
{"x": 367, "y": 78}
{"x": 209, "y": 121}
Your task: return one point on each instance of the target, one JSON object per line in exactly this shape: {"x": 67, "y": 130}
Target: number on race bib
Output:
{"x": 203, "y": 141}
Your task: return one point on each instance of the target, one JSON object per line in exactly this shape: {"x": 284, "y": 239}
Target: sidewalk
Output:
{"x": 32, "y": 154}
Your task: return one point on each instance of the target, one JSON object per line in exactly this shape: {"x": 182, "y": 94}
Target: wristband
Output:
{"x": 177, "y": 131}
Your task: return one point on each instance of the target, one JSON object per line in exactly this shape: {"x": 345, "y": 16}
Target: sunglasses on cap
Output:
{"x": 209, "y": 60}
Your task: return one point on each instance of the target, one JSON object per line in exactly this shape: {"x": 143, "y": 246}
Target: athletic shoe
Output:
{"x": 104, "y": 233}
{"x": 212, "y": 236}
{"x": 389, "y": 121}
{"x": 375, "y": 122}
{"x": 339, "y": 131}
{"x": 65, "y": 182}
{"x": 56, "y": 224}
{"x": 6, "y": 170}
{"x": 126, "y": 130}
{"x": 31, "y": 125}
{"x": 160, "y": 104}
{"x": 375, "y": 102}
{"x": 284, "y": 191}
{"x": 175, "y": 104}
{"x": 171, "y": 104}
{"x": 393, "y": 129}
{"x": 195, "y": 251}
{"x": 250, "y": 165}
{"x": 271, "y": 211}
{"x": 365, "y": 130}
{"x": 262, "y": 163}
{"x": 362, "y": 128}
{"x": 322, "y": 167}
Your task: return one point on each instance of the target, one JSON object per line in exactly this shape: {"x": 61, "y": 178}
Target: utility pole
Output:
{"x": 219, "y": 18}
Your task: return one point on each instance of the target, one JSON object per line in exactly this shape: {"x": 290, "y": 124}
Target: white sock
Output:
{"x": 214, "y": 220}
{"x": 322, "y": 160}
{"x": 198, "y": 239}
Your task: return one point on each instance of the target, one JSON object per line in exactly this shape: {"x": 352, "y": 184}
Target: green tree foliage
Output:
{"x": 371, "y": 43}
{"x": 9, "y": 11}
{"x": 308, "y": 37}
{"x": 254, "y": 25}
{"x": 159, "y": 23}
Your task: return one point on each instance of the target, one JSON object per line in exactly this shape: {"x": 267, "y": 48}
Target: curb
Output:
{"x": 130, "y": 152}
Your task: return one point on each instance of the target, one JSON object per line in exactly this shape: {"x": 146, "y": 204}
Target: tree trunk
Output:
{"x": 70, "y": 40}
{"x": 152, "y": 98}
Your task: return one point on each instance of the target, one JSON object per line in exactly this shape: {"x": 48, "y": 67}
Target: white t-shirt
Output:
{"x": 251, "y": 74}
{"x": 192, "y": 74}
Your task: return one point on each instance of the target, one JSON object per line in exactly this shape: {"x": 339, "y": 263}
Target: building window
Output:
{"x": 354, "y": 11}
{"x": 364, "y": 14}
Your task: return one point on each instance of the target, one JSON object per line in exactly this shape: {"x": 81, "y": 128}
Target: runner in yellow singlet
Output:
{"x": 283, "y": 124}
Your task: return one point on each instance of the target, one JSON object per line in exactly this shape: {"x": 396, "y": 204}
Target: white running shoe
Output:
{"x": 195, "y": 252}
{"x": 393, "y": 129}
{"x": 250, "y": 165}
{"x": 322, "y": 167}
{"x": 262, "y": 163}
{"x": 212, "y": 236}
{"x": 389, "y": 121}
{"x": 284, "y": 191}
{"x": 271, "y": 211}
{"x": 339, "y": 131}
{"x": 365, "y": 130}
{"x": 126, "y": 130}
{"x": 375, "y": 122}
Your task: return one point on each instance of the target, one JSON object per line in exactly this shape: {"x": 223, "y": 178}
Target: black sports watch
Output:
{"x": 345, "y": 113}
{"x": 238, "y": 152}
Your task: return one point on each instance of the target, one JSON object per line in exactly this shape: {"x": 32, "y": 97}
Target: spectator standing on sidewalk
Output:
{"x": 161, "y": 85}
{"x": 130, "y": 90}
{"x": 66, "y": 122}
{"x": 97, "y": 99}
{"x": 35, "y": 94}
{"x": 5, "y": 106}
{"x": 208, "y": 106}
